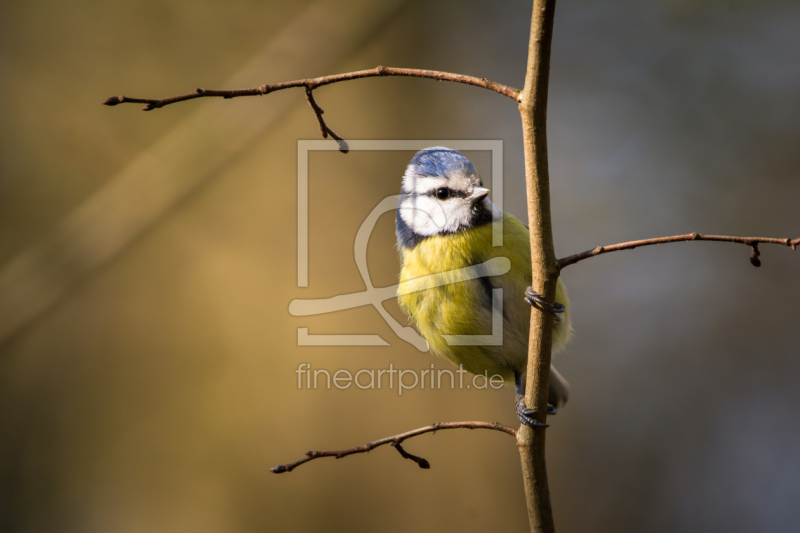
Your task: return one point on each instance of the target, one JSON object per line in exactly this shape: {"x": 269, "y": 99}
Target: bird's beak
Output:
{"x": 478, "y": 193}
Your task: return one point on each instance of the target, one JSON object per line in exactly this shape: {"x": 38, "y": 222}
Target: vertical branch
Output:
{"x": 533, "y": 110}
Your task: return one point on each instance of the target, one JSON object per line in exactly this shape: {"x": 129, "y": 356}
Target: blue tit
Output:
{"x": 444, "y": 223}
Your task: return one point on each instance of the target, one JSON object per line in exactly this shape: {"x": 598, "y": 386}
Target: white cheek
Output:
{"x": 458, "y": 213}
{"x": 423, "y": 214}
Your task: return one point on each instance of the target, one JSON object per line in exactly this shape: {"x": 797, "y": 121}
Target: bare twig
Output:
{"x": 313, "y": 83}
{"x": 753, "y": 242}
{"x": 396, "y": 441}
{"x": 421, "y": 461}
{"x": 322, "y": 126}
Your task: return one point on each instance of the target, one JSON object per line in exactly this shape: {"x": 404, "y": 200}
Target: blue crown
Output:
{"x": 440, "y": 161}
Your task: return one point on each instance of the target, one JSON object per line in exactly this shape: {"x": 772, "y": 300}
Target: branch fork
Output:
{"x": 752, "y": 242}
{"x": 313, "y": 83}
{"x": 396, "y": 442}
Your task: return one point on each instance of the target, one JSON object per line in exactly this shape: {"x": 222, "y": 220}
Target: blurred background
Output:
{"x": 147, "y": 261}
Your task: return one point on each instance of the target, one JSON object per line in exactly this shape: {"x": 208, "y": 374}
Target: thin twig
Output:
{"x": 421, "y": 461}
{"x": 753, "y": 242}
{"x": 322, "y": 126}
{"x": 396, "y": 441}
{"x": 313, "y": 83}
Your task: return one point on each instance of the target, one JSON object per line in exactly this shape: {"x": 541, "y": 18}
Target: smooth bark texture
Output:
{"x": 313, "y": 83}
{"x": 533, "y": 110}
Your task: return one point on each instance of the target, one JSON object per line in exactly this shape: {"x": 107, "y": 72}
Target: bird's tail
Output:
{"x": 559, "y": 389}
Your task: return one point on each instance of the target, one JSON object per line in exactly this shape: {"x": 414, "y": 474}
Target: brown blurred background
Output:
{"x": 147, "y": 261}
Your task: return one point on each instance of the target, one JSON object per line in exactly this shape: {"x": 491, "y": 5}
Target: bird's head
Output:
{"x": 441, "y": 193}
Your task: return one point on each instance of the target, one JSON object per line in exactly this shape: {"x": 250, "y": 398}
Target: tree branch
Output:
{"x": 313, "y": 83}
{"x": 753, "y": 242}
{"x": 533, "y": 111}
{"x": 396, "y": 441}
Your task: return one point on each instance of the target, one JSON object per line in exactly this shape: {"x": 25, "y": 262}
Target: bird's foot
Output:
{"x": 535, "y": 299}
{"x": 527, "y": 415}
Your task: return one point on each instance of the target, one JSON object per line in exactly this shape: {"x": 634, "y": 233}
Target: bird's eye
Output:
{"x": 443, "y": 193}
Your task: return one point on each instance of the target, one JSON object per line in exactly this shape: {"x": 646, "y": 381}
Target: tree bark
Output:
{"x": 533, "y": 110}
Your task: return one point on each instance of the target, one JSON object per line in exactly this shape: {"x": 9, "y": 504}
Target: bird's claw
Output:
{"x": 535, "y": 299}
{"x": 527, "y": 415}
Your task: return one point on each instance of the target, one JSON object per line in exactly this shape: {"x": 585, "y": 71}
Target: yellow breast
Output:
{"x": 464, "y": 307}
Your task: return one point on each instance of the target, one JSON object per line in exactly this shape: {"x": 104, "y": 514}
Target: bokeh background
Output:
{"x": 147, "y": 261}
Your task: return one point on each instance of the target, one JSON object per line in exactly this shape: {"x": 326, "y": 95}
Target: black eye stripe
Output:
{"x": 452, "y": 193}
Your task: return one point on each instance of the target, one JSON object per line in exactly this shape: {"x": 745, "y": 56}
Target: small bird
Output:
{"x": 444, "y": 223}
